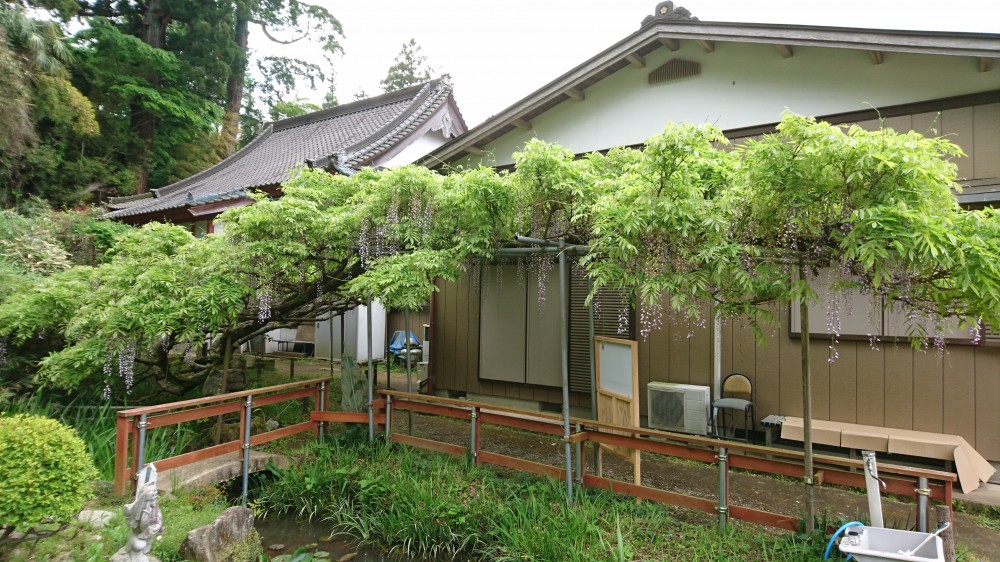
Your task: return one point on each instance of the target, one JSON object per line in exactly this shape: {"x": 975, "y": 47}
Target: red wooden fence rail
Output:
{"x": 128, "y": 424}
{"x": 900, "y": 480}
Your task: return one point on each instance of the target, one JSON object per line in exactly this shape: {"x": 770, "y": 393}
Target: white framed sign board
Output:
{"x": 616, "y": 364}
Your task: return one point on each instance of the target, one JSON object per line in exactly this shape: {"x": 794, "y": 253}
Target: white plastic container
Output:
{"x": 873, "y": 544}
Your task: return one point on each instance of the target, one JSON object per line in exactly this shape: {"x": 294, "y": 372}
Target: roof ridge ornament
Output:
{"x": 667, "y": 12}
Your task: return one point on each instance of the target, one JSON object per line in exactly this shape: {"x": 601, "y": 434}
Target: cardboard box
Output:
{"x": 922, "y": 444}
{"x": 823, "y": 432}
{"x": 972, "y": 468}
{"x": 864, "y": 437}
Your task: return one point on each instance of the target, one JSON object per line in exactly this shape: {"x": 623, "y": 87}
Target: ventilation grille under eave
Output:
{"x": 674, "y": 69}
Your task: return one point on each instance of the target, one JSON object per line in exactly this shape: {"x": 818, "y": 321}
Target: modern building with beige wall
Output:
{"x": 490, "y": 335}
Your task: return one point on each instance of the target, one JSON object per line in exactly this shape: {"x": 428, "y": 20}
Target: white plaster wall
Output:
{"x": 742, "y": 85}
{"x": 416, "y": 149}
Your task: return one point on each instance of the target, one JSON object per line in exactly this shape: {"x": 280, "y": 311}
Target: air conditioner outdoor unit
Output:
{"x": 682, "y": 408}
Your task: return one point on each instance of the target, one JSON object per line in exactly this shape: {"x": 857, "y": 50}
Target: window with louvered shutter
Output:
{"x": 612, "y": 307}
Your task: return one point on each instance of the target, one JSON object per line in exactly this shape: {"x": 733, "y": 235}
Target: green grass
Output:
{"x": 430, "y": 505}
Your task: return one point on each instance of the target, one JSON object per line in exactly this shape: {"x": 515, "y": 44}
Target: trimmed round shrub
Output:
{"x": 45, "y": 471}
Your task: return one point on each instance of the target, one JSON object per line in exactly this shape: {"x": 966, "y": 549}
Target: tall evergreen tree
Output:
{"x": 410, "y": 68}
{"x": 170, "y": 75}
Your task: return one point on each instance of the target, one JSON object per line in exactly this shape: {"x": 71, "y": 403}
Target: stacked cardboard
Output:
{"x": 972, "y": 468}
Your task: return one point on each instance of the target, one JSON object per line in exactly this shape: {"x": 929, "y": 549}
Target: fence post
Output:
{"x": 388, "y": 417}
{"x": 141, "y": 455}
{"x": 246, "y": 446}
{"x": 943, "y": 515}
{"x": 579, "y": 458}
{"x": 474, "y": 440}
{"x": 123, "y": 427}
{"x": 923, "y": 495}
{"x": 321, "y": 406}
{"x": 723, "y": 508}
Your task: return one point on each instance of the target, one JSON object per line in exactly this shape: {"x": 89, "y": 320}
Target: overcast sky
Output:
{"x": 499, "y": 52}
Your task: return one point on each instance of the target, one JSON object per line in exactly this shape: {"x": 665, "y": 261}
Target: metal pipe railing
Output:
{"x": 133, "y": 425}
{"x": 725, "y": 454}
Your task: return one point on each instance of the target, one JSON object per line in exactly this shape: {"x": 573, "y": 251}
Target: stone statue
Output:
{"x": 143, "y": 518}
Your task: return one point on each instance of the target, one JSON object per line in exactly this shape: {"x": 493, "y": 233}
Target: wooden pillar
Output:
{"x": 943, "y": 512}
{"x": 123, "y": 427}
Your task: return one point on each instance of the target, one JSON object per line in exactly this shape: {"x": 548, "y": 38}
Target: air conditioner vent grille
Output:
{"x": 682, "y": 408}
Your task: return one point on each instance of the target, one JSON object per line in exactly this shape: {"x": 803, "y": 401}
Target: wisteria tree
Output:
{"x": 682, "y": 222}
{"x": 690, "y": 221}
{"x": 878, "y": 208}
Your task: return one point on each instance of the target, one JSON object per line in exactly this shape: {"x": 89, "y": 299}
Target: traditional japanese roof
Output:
{"x": 341, "y": 140}
{"x": 669, "y": 26}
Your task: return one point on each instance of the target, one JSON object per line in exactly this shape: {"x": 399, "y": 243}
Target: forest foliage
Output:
{"x": 116, "y": 98}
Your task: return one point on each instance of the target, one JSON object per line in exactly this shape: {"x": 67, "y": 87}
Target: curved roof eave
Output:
{"x": 655, "y": 33}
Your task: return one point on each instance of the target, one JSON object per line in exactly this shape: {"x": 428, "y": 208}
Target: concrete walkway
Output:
{"x": 985, "y": 495}
{"x": 215, "y": 470}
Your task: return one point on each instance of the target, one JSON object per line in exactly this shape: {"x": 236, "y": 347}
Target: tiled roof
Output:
{"x": 342, "y": 138}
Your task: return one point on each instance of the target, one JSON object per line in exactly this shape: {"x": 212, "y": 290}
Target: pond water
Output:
{"x": 292, "y": 534}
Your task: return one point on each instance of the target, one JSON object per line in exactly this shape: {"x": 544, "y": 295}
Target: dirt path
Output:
{"x": 768, "y": 493}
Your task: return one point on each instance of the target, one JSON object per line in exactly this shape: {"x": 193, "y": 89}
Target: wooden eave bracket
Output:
{"x": 670, "y": 43}
{"x": 985, "y": 64}
{"x": 877, "y": 57}
{"x": 709, "y": 46}
{"x": 785, "y": 50}
{"x": 475, "y": 150}
{"x": 575, "y": 93}
{"x": 636, "y": 60}
{"x": 521, "y": 124}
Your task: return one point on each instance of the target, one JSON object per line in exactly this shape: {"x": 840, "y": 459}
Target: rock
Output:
{"x": 321, "y": 555}
{"x": 347, "y": 557}
{"x": 96, "y": 518}
{"x": 277, "y": 546}
{"x": 227, "y": 539}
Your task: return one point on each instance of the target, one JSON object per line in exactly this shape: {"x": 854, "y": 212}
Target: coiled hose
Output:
{"x": 829, "y": 545}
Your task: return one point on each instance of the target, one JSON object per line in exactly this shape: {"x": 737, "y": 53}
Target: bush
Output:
{"x": 45, "y": 472}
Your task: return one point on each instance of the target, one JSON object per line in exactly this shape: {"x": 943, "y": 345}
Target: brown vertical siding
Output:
{"x": 844, "y": 384}
{"x": 700, "y": 346}
{"x": 927, "y": 124}
{"x": 986, "y": 399}
{"x": 890, "y": 385}
{"x": 396, "y": 321}
{"x": 959, "y": 415}
{"x": 956, "y": 124}
{"x": 450, "y": 319}
{"x": 986, "y": 141}
{"x": 471, "y": 327}
{"x": 898, "y": 385}
{"x": 767, "y": 379}
{"x": 819, "y": 368}
{"x": 871, "y": 385}
{"x": 928, "y": 392}
{"x": 789, "y": 369}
